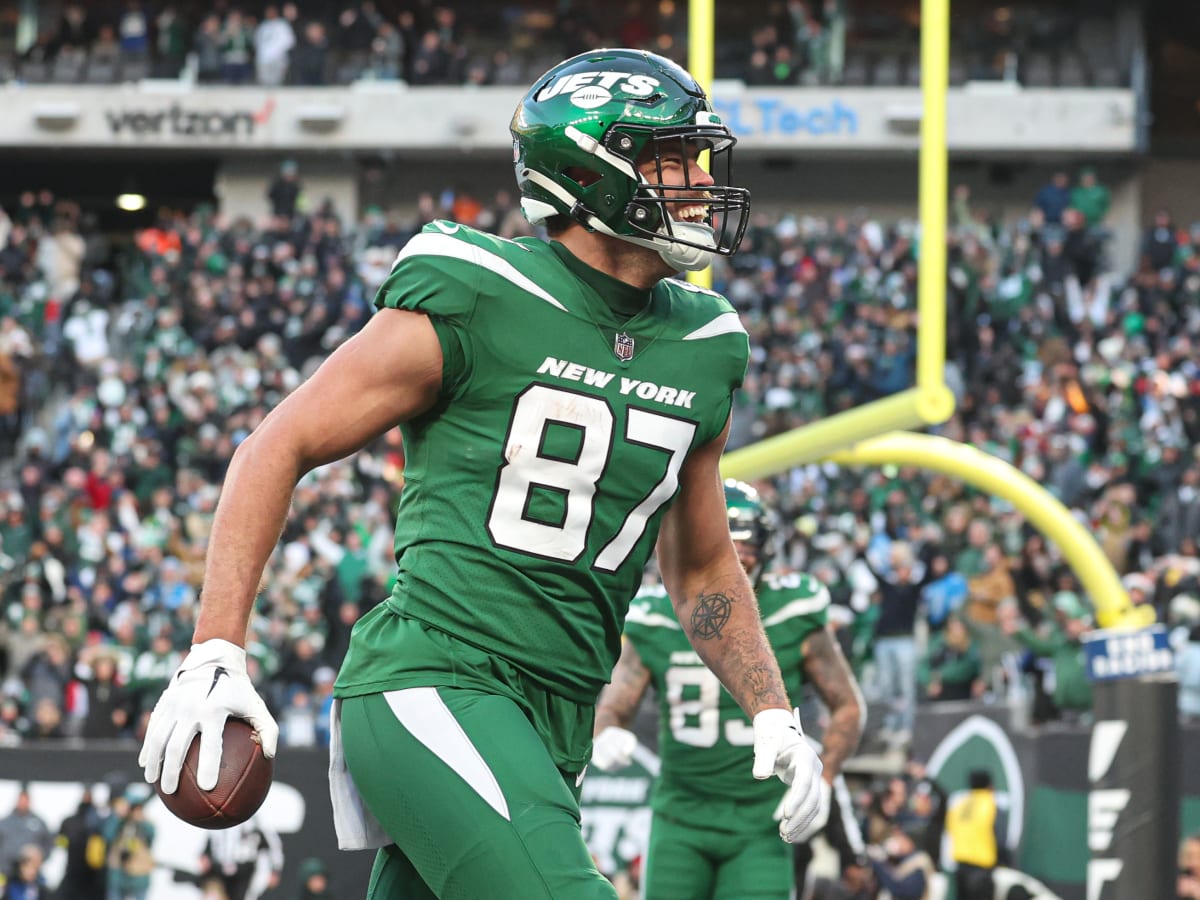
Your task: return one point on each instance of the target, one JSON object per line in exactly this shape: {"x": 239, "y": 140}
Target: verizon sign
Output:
{"x": 182, "y": 121}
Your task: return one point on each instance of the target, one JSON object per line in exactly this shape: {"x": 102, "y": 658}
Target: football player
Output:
{"x": 564, "y": 406}
{"x": 712, "y": 831}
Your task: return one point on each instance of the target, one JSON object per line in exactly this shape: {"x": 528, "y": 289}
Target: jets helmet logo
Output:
{"x": 623, "y": 347}
{"x": 589, "y": 90}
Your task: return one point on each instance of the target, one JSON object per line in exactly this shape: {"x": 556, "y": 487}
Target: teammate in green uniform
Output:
{"x": 564, "y": 407}
{"x": 711, "y": 837}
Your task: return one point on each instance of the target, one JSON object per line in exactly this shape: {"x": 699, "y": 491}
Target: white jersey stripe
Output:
{"x": 453, "y": 248}
{"x": 422, "y": 712}
{"x": 650, "y": 619}
{"x": 804, "y": 607}
{"x": 725, "y": 323}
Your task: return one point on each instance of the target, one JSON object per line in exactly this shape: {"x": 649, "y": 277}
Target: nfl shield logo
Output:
{"x": 623, "y": 347}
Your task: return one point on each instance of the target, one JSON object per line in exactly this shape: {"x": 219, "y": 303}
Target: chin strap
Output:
{"x": 674, "y": 254}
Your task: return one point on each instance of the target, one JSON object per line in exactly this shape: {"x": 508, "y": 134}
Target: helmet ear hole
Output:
{"x": 582, "y": 176}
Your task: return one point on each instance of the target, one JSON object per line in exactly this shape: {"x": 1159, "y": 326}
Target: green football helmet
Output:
{"x": 584, "y": 128}
{"x": 750, "y": 520}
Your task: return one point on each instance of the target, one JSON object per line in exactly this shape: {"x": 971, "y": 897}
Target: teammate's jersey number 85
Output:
{"x": 696, "y": 721}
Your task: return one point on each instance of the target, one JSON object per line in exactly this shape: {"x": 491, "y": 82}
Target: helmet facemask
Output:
{"x": 667, "y": 211}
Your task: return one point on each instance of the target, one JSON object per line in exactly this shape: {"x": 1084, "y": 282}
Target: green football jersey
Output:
{"x": 535, "y": 489}
{"x": 705, "y": 741}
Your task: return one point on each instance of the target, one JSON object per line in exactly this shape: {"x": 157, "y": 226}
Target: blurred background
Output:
{"x": 198, "y": 201}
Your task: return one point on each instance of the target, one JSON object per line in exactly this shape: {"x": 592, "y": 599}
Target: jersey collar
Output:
{"x": 623, "y": 299}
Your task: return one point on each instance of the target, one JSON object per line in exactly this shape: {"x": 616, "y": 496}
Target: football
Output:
{"x": 242, "y": 783}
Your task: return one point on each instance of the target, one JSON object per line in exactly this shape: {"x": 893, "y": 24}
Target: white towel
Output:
{"x": 356, "y": 827}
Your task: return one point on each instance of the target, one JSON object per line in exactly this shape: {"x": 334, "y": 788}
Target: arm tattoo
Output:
{"x": 711, "y": 615}
{"x": 826, "y": 669}
{"x": 620, "y": 699}
{"x": 740, "y": 656}
{"x": 764, "y": 686}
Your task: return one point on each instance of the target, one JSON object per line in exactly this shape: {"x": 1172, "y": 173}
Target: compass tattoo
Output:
{"x": 711, "y": 615}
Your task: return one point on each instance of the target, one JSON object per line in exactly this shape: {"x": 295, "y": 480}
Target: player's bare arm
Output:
{"x": 826, "y": 669}
{"x": 386, "y": 374}
{"x": 712, "y": 595}
{"x": 621, "y": 697}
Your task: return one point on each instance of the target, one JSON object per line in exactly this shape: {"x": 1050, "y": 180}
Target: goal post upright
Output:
{"x": 874, "y": 433}
{"x": 701, "y": 55}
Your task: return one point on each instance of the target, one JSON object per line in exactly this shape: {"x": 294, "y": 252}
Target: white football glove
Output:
{"x": 818, "y": 824}
{"x": 210, "y": 685}
{"x": 780, "y": 749}
{"x": 613, "y": 748}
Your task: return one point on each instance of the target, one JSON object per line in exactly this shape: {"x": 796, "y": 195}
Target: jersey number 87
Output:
{"x": 529, "y": 465}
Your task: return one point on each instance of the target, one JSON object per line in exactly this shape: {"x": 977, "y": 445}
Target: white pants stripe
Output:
{"x": 424, "y": 715}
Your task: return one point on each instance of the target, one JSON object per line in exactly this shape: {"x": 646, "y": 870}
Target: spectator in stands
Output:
{"x": 207, "y": 47}
{"x": 322, "y": 701}
{"x": 1090, "y": 197}
{"x": 975, "y": 826}
{"x": 924, "y": 816}
{"x": 108, "y": 704}
{"x": 75, "y": 31}
{"x": 284, "y": 191}
{"x": 237, "y": 46}
{"x": 1060, "y": 642}
{"x": 106, "y": 48}
{"x": 25, "y": 880}
{"x": 49, "y": 670}
{"x": 950, "y": 669}
{"x": 129, "y": 838}
{"x": 23, "y": 828}
{"x": 273, "y": 42}
{"x": 1159, "y": 243}
{"x": 885, "y": 810}
{"x": 298, "y": 720}
{"x": 895, "y": 648}
{"x": 386, "y": 61}
{"x": 431, "y": 60}
{"x": 1187, "y": 665}
{"x": 1054, "y": 198}
{"x": 901, "y": 869}
{"x": 80, "y": 834}
{"x": 170, "y": 43}
{"x": 310, "y": 57}
{"x": 10, "y": 401}
{"x": 1188, "y": 883}
{"x": 134, "y": 29}
{"x": 152, "y": 669}
{"x": 945, "y": 593}
{"x": 1081, "y": 250}
{"x": 992, "y": 584}
{"x": 314, "y": 881}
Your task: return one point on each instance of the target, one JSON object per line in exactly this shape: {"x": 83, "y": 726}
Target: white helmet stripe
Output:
{"x": 598, "y": 150}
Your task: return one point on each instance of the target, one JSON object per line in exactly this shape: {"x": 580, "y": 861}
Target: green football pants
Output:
{"x": 463, "y": 785}
{"x": 690, "y": 862}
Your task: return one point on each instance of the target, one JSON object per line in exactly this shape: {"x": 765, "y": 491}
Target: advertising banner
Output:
{"x": 373, "y": 116}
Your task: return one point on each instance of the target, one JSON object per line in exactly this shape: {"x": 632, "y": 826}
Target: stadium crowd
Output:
{"x": 124, "y": 389}
{"x": 419, "y": 43}
{"x": 128, "y": 377}
{"x": 425, "y": 43}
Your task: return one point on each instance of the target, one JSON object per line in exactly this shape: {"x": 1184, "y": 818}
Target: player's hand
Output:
{"x": 780, "y": 749}
{"x": 210, "y": 685}
{"x": 817, "y": 825}
{"x": 612, "y": 749}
